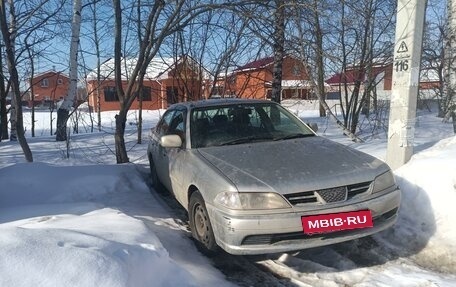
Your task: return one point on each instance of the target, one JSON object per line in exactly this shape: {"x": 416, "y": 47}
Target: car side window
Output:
{"x": 177, "y": 124}
{"x": 165, "y": 122}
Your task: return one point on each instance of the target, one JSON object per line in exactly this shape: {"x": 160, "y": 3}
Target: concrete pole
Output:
{"x": 449, "y": 72}
{"x": 406, "y": 73}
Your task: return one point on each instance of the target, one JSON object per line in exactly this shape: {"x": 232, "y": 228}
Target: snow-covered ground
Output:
{"x": 85, "y": 221}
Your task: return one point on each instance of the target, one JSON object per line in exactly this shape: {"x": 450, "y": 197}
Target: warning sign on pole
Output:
{"x": 406, "y": 72}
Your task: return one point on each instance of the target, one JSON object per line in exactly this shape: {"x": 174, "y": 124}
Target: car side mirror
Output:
{"x": 313, "y": 126}
{"x": 151, "y": 131}
{"x": 171, "y": 141}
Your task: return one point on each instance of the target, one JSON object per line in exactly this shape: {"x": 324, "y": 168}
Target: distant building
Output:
{"x": 167, "y": 81}
{"x": 382, "y": 75}
{"x": 48, "y": 88}
{"x": 254, "y": 80}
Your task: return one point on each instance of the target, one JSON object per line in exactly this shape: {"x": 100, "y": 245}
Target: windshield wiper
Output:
{"x": 293, "y": 136}
{"x": 246, "y": 140}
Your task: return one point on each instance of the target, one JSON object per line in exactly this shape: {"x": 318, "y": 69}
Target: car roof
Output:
{"x": 218, "y": 102}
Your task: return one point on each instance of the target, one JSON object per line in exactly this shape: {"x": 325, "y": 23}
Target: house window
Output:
{"x": 110, "y": 94}
{"x": 146, "y": 94}
{"x": 44, "y": 83}
{"x": 59, "y": 81}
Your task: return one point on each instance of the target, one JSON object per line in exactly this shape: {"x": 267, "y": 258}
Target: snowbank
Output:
{"x": 73, "y": 224}
{"x": 426, "y": 222}
{"x": 55, "y": 230}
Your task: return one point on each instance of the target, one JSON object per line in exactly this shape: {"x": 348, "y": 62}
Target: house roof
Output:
{"x": 157, "y": 67}
{"x": 50, "y": 72}
{"x": 426, "y": 75}
{"x": 353, "y": 74}
{"x": 155, "y": 71}
{"x": 348, "y": 77}
{"x": 429, "y": 75}
{"x": 257, "y": 64}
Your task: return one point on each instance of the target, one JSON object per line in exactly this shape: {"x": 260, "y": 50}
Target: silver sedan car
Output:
{"x": 255, "y": 179}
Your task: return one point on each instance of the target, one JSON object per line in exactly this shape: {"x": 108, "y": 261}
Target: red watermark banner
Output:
{"x": 337, "y": 221}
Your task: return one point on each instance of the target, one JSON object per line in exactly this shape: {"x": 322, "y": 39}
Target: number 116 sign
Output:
{"x": 401, "y": 65}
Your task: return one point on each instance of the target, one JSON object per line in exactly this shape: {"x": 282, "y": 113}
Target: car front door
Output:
{"x": 159, "y": 152}
{"x": 169, "y": 158}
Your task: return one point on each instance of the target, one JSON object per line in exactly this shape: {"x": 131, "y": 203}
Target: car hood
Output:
{"x": 293, "y": 165}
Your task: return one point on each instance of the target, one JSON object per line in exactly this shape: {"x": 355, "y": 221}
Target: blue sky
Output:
{"x": 59, "y": 47}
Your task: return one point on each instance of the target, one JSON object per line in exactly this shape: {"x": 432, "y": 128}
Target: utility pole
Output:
{"x": 449, "y": 72}
{"x": 406, "y": 79}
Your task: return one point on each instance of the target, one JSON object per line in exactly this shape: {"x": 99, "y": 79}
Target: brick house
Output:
{"x": 167, "y": 81}
{"x": 48, "y": 88}
{"x": 383, "y": 81}
{"x": 254, "y": 79}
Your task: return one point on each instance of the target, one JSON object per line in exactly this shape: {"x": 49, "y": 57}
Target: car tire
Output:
{"x": 200, "y": 223}
{"x": 156, "y": 184}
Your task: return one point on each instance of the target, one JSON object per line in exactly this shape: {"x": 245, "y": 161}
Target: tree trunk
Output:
{"x": 8, "y": 39}
{"x": 140, "y": 95}
{"x": 98, "y": 56}
{"x": 64, "y": 109}
{"x": 121, "y": 118}
{"x": 121, "y": 150}
{"x": 278, "y": 46}
{"x": 3, "y": 111}
{"x": 141, "y": 88}
{"x": 32, "y": 95}
{"x": 453, "y": 116}
{"x": 319, "y": 59}
{"x": 449, "y": 97}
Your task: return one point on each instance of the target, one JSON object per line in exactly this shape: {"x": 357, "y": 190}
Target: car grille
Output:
{"x": 329, "y": 195}
{"x": 332, "y": 194}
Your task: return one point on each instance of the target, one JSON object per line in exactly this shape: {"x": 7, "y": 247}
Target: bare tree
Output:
{"x": 218, "y": 41}
{"x": 29, "y": 33}
{"x": 98, "y": 56}
{"x": 31, "y": 56}
{"x": 9, "y": 31}
{"x": 3, "y": 93}
{"x": 433, "y": 53}
{"x": 64, "y": 109}
{"x": 449, "y": 64}
{"x": 302, "y": 44}
{"x": 279, "y": 49}
{"x": 163, "y": 18}
{"x": 361, "y": 37}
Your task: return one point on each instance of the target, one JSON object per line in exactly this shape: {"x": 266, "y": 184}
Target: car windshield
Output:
{"x": 244, "y": 123}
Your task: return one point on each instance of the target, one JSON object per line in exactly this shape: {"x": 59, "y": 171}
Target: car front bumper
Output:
{"x": 282, "y": 232}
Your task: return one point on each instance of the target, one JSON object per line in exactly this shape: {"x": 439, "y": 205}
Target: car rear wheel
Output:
{"x": 200, "y": 223}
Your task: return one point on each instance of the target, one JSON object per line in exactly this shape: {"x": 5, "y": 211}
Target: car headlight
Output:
{"x": 251, "y": 200}
{"x": 383, "y": 181}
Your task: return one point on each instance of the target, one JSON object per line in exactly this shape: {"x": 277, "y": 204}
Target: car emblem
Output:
{"x": 331, "y": 195}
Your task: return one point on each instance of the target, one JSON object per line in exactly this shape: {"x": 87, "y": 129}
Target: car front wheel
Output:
{"x": 200, "y": 223}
